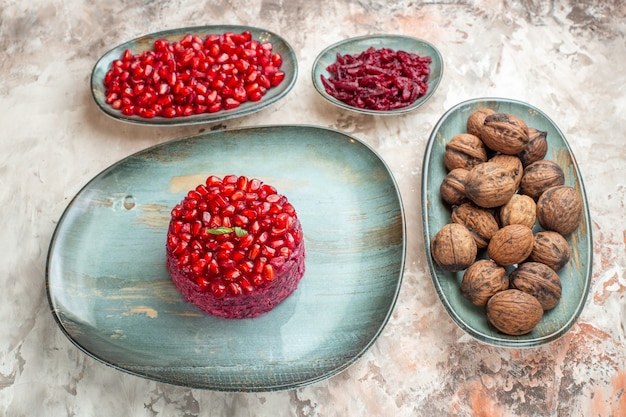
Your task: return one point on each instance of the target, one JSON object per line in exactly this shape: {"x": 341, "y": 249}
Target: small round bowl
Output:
{"x": 354, "y": 46}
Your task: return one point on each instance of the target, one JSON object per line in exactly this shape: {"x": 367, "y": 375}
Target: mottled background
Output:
{"x": 565, "y": 57}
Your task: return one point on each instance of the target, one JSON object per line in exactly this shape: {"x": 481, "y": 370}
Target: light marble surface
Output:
{"x": 565, "y": 57}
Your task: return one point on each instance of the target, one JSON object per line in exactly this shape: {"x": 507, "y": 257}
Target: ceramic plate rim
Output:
{"x": 502, "y": 340}
{"x": 436, "y": 56}
{"x": 258, "y": 388}
{"x": 273, "y": 96}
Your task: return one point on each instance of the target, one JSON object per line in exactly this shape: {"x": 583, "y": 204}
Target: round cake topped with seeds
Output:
{"x": 235, "y": 247}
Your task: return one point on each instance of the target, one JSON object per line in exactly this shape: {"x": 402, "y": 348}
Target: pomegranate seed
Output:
{"x": 232, "y": 274}
{"x": 269, "y": 273}
{"x": 203, "y": 283}
{"x": 254, "y": 252}
{"x": 257, "y": 279}
{"x": 246, "y": 267}
{"x": 277, "y": 78}
{"x": 172, "y": 241}
{"x": 199, "y": 266}
{"x": 219, "y": 290}
{"x": 241, "y": 69}
{"x": 234, "y": 288}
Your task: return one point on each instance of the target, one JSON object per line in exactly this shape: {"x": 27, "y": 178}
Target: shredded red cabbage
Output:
{"x": 378, "y": 79}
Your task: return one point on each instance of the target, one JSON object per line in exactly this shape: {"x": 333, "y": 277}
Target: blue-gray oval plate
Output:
{"x": 146, "y": 42}
{"x": 575, "y": 276}
{"x": 111, "y": 295}
{"x": 356, "y": 45}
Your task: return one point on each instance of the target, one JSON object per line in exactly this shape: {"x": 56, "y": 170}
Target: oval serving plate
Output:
{"x": 111, "y": 294}
{"x": 355, "y": 46}
{"x": 575, "y": 276}
{"x": 144, "y": 43}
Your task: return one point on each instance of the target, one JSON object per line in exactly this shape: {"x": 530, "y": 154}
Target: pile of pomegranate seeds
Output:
{"x": 231, "y": 235}
{"x": 378, "y": 79}
{"x": 193, "y": 76}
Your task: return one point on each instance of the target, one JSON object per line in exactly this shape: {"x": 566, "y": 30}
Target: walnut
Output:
{"x": 479, "y": 221}
{"x": 464, "y": 151}
{"x": 476, "y": 120}
{"x": 452, "y": 187}
{"x": 559, "y": 209}
{"x": 514, "y": 312}
{"x": 511, "y": 245}
{"x": 538, "y": 280}
{"x": 539, "y": 176}
{"x": 453, "y": 247}
{"x": 512, "y": 163}
{"x": 489, "y": 185}
{"x": 520, "y": 209}
{"x": 536, "y": 149}
{"x": 550, "y": 248}
{"x": 505, "y": 133}
{"x": 482, "y": 280}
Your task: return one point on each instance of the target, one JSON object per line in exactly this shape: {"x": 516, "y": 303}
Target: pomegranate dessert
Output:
{"x": 378, "y": 79}
{"x": 235, "y": 247}
{"x": 192, "y": 76}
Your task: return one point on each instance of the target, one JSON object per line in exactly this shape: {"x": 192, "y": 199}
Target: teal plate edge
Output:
{"x": 460, "y": 310}
{"x": 273, "y": 95}
{"x": 172, "y": 374}
{"x": 359, "y": 44}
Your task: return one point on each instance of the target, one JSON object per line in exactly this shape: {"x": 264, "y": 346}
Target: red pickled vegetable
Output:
{"x": 378, "y": 79}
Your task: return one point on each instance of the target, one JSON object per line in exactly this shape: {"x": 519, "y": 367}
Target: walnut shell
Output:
{"x": 453, "y": 247}
{"x": 550, "y": 248}
{"x": 511, "y": 245}
{"x": 539, "y": 176}
{"x": 482, "y": 280}
{"x": 505, "y": 133}
{"x": 538, "y": 280}
{"x": 536, "y": 149}
{"x": 476, "y": 120}
{"x": 559, "y": 209}
{"x": 514, "y": 312}
{"x": 489, "y": 185}
{"x": 452, "y": 187}
{"x": 512, "y": 163}
{"x": 520, "y": 209}
{"x": 464, "y": 151}
{"x": 479, "y": 221}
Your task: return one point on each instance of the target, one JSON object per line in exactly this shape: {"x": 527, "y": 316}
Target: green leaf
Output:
{"x": 240, "y": 232}
{"x": 224, "y": 230}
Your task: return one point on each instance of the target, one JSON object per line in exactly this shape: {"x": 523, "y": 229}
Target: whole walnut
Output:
{"x": 539, "y": 176}
{"x": 482, "y": 280}
{"x": 479, "y": 221}
{"x": 512, "y": 163}
{"x": 514, "y": 312}
{"x": 476, "y": 120}
{"x": 464, "y": 151}
{"x": 538, "y": 280}
{"x": 536, "y": 149}
{"x": 453, "y": 247}
{"x": 452, "y": 188}
{"x": 511, "y": 244}
{"x": 551, "y": 249}
{"x": 520, "y": 209}
{"x": 559, "y": 209}
{"x": 505, "y": 133}
{"x": 489, "y": 185}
